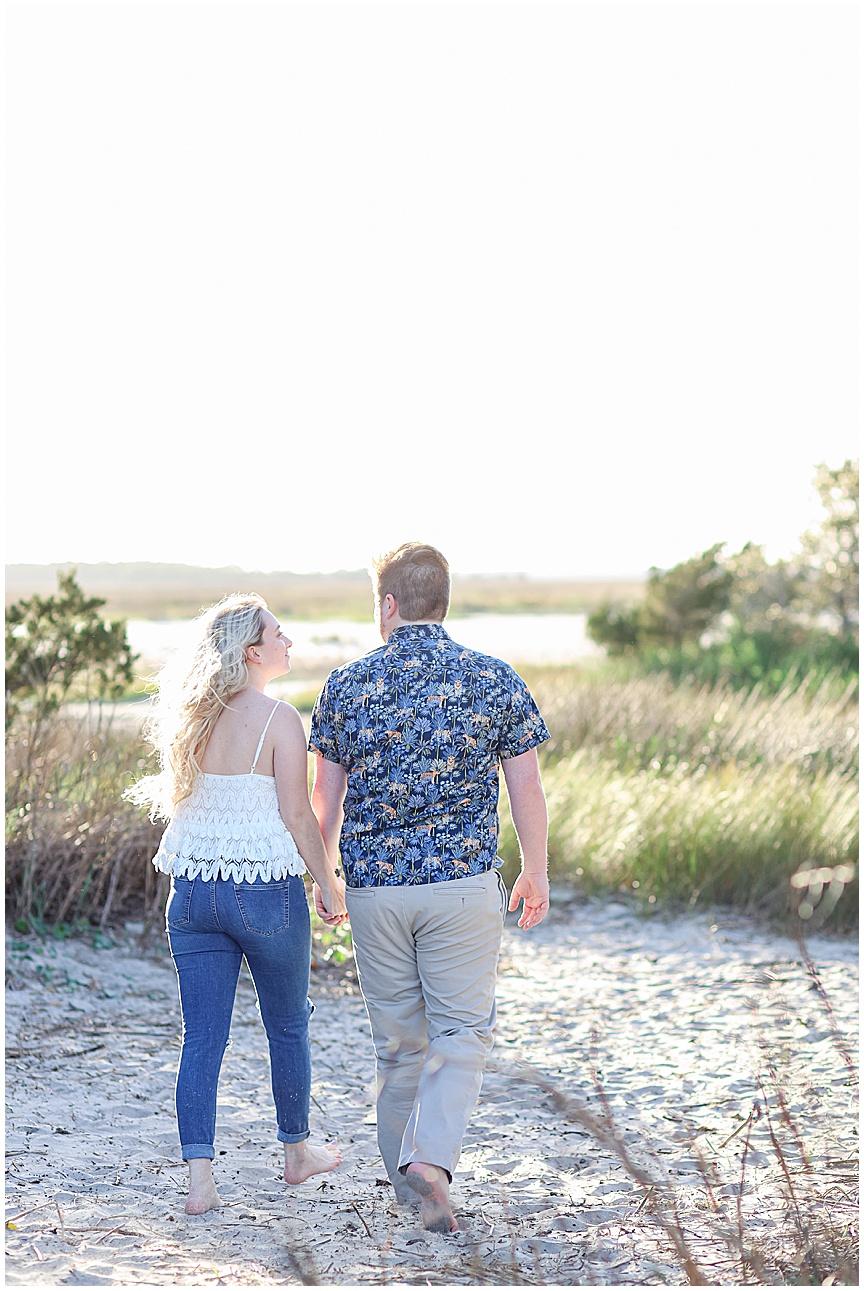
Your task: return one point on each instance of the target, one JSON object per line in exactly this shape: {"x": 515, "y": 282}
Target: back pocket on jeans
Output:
{"x": 264, "y": 907}
{"x": 179, "y": 902}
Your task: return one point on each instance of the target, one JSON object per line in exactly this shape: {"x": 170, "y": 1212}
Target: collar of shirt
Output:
{"x": 407, "y": 633}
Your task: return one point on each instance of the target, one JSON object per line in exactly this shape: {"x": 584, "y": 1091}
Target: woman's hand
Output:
{"x": 330, "y": 904}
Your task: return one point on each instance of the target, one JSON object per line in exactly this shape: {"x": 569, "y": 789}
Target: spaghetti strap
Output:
{"x": 263, "y": 733}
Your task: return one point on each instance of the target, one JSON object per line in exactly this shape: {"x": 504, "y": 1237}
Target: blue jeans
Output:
{"x": 212, "y": 924}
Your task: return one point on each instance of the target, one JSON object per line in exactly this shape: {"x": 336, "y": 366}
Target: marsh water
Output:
{"x": 321, "y": 645}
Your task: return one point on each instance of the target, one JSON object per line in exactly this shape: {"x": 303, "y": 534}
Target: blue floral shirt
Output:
{"x": 419, "y": 726}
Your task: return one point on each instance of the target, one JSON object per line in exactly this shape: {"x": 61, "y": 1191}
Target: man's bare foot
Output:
{"x": 431, "y": 1182}
{"x": 302, "y": 1160}
{"x": 202, "y": 1190}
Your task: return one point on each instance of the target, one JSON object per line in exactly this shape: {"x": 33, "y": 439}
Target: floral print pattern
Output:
{"x": 419, "y": 726}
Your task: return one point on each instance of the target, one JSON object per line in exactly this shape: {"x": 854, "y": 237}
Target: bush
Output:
{"x": 772, "y": 659}
{"x": 73, "y": 849}
{"x": 75, "y": 852}
{"x": 748, "y": 620}
{"x": 59, "y": 648}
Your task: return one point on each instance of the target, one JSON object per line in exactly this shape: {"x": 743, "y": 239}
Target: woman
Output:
{"x": 234, "y": 790}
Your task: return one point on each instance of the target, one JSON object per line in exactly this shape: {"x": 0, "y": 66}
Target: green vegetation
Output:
{"x": 711, "y": 758}
{"x": 745, "y": 619}
{"x": 714, "y": 755}
{"x": 60, "y": 648}
{"x": 672, "y": 792}
{"x": 71, "y": 844}
{"x": 686, "y": 792}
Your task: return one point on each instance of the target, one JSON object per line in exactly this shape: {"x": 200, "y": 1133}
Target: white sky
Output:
{"x": 566, "y": 289}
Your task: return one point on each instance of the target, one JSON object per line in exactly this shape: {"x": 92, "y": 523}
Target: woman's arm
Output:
{"x": 328, "y": 794}
{"x": 290, "y": 768}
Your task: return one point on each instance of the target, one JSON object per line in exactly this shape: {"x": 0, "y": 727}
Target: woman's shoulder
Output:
{"x": 285, "y": 717}
{"x": 271, "y": 718}
{"x": 267, "y": 709}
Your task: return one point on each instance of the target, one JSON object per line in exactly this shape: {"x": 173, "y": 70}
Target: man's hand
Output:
{"x": 533, "y": 891}
{"x": 528, "y": 809}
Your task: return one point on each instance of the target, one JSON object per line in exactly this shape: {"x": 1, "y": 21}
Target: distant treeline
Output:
{"x": 165, "y": 591}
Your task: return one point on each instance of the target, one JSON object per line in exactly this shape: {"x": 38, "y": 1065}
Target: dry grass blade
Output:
{"x": 755, "y": 1113}
{"x": 657, "y": 1193}
{"x": 818, "y": 986}
{"x": 819, "y": 1250}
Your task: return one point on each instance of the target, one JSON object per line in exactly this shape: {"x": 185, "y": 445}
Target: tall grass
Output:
{"x": 651, "y": 720}
{"x": 692, "y": 793}
{"x": 671, "y": 791}
{"x": 77, "y": 855}
{"x": 726, "y": 835}
{"x": 75, "y": 852}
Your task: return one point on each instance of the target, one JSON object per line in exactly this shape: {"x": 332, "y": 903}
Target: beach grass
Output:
{"x": 76, "y": 853}
{"x": 698, "y": 794}
{"x": 673, "y": 792}
{"x": 726, "y": 836}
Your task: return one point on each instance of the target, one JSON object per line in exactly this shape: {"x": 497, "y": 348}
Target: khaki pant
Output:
{"x": 427, "y": 958}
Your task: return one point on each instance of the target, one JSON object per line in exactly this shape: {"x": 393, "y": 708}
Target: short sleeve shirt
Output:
{"x": 419, "y": 726}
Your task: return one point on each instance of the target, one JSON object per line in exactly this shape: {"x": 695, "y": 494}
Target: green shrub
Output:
{"x": 59, "y": 648}
{"x": 772, "y": 659}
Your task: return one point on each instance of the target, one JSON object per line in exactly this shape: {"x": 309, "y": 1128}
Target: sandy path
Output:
{"x": 677, "y": 1018}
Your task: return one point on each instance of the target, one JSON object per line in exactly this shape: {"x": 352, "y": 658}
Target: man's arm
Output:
{"x": 328, "y": 794}
{"x": 528, "y": 809}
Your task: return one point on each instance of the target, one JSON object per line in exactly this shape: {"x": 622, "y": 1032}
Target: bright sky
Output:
{"x": 565, "y": 289}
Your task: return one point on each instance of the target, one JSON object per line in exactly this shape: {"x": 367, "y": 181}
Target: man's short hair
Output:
{"x": 418, "y": 577}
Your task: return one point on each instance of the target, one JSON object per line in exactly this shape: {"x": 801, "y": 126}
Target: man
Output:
{"x": 408, "y": 741}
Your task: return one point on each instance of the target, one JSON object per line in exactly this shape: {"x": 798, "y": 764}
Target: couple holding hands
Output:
{"x": 407, "y": 742}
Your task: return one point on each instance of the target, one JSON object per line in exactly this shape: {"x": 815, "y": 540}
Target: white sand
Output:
{"x": 678, "y": 1018}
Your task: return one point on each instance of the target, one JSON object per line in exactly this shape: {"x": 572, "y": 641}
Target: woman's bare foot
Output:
{"x": 202, "y": 1190}
{"x": 304, "y": 1159}
{"x": 431, "y": 1182}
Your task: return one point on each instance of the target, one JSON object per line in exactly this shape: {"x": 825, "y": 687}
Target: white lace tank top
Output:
{"x": 230, "y": 827}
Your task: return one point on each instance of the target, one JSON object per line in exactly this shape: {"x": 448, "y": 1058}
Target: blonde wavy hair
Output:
{"x": 193, "y": 689}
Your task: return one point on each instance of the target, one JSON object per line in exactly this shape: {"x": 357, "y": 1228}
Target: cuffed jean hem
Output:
{"x": 191, "y": 1151}
{"x": 291, "y": 1138}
